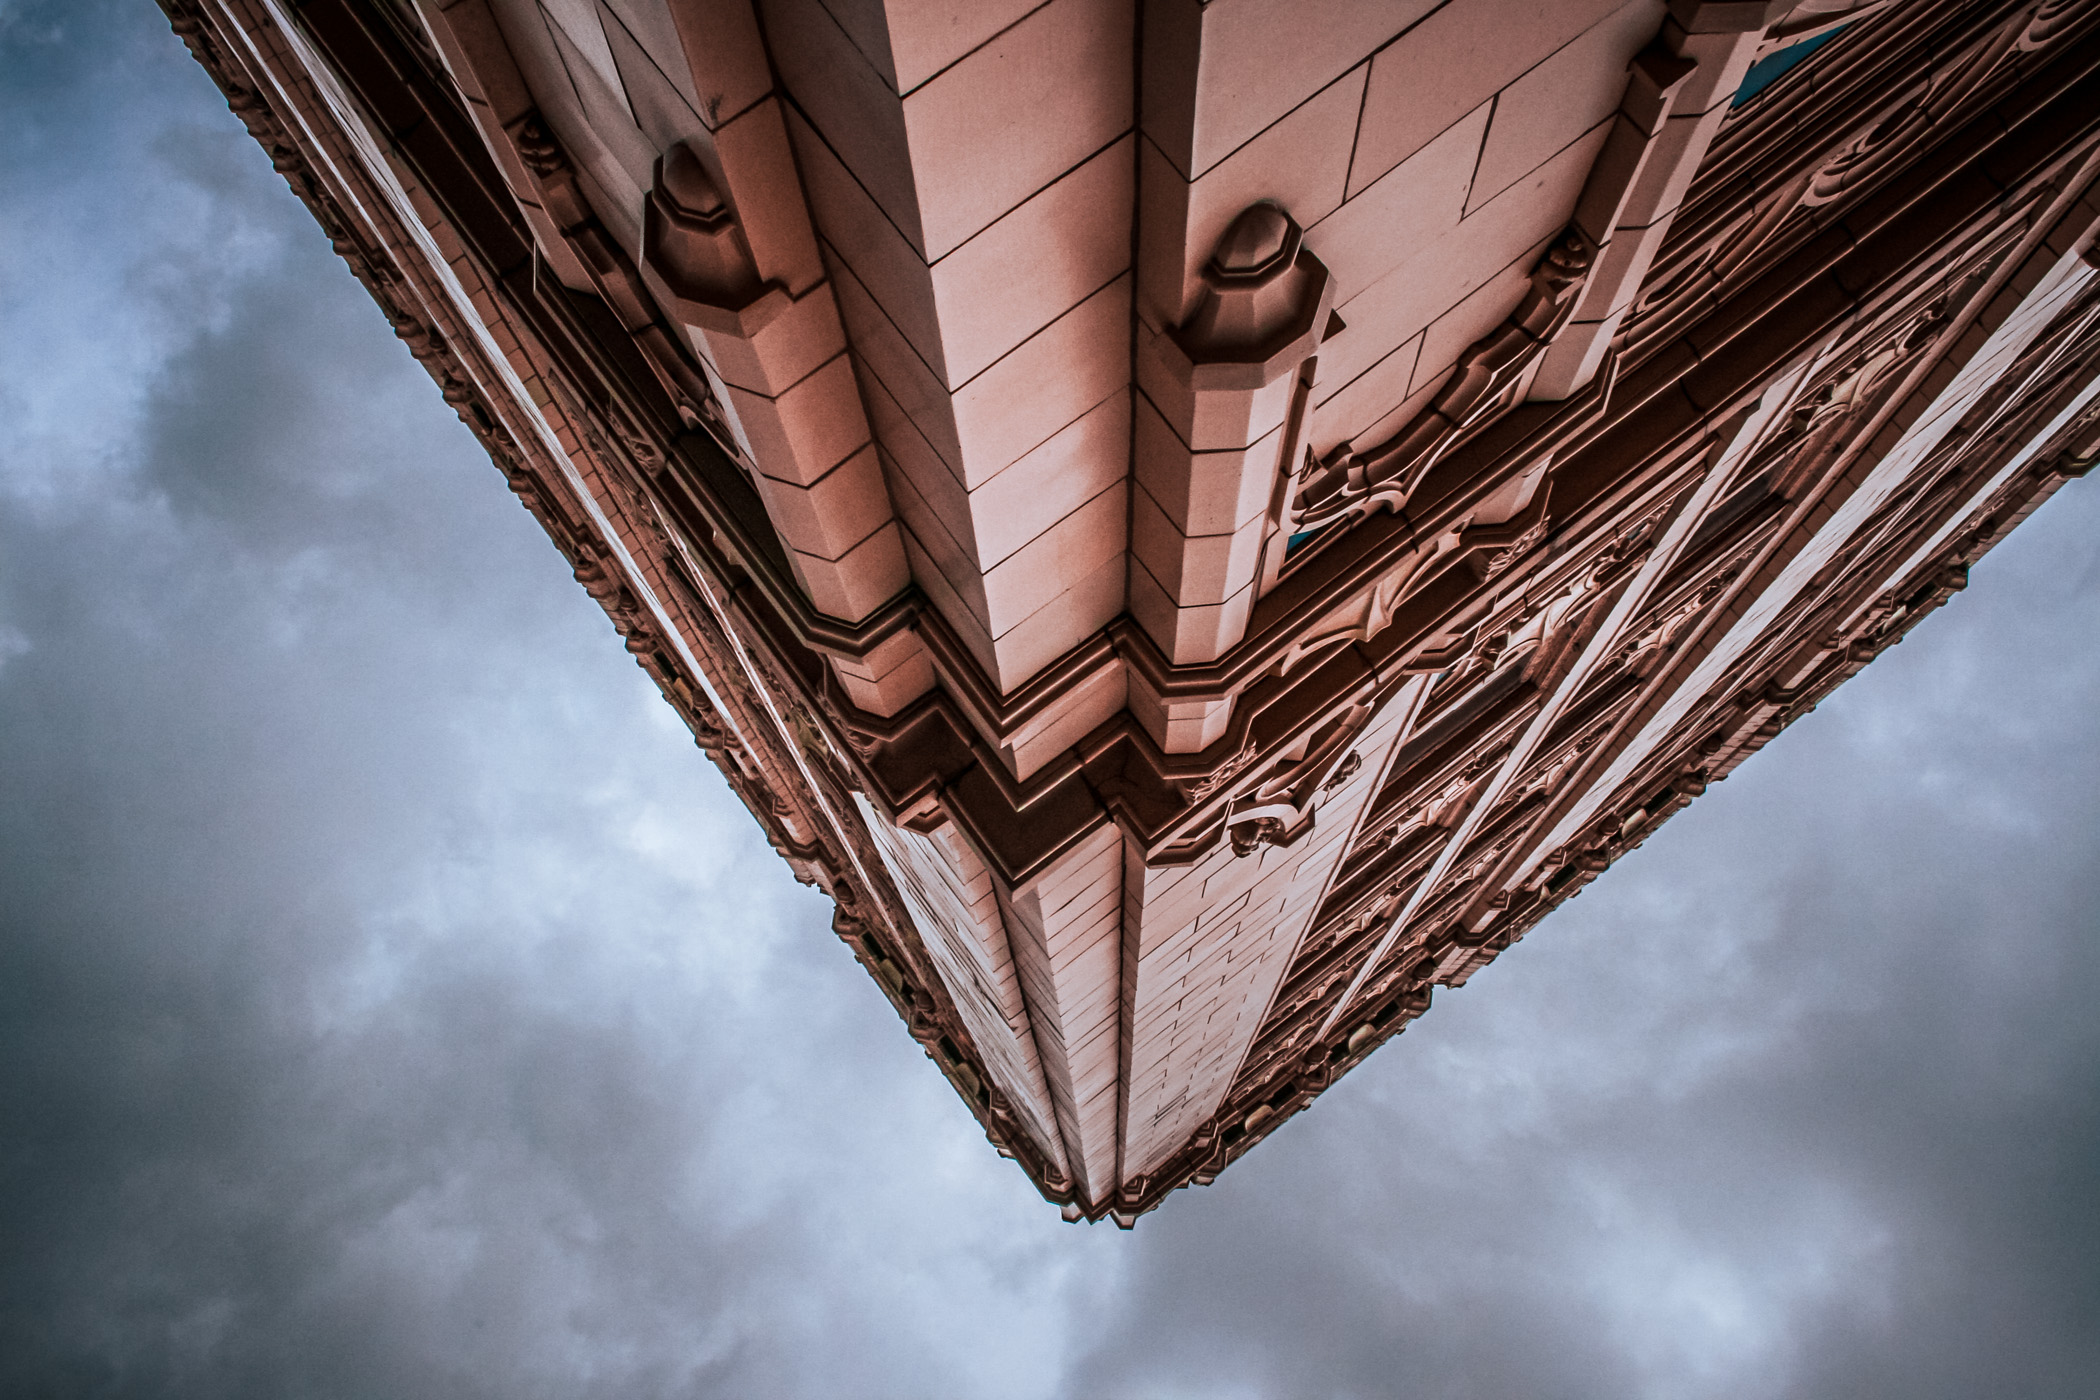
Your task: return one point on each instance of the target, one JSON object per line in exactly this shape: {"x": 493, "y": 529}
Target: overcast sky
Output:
{"x": 394, "y": 1003}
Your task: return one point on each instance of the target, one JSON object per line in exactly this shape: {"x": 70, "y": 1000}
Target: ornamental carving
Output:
{"x": 1488, "y": 379}
{"x": 691, "y": 239}
{"x": 1514, "y": 516}
{"x": 1371, "y": 609}
{"x": 706, "y": 604}
{"x": 1547, "y": 777}
{"x": 1280, "y": 810}
{"x": 1444, "y": 808}
{"x": 1817, "y": 430}
{"x": 1548, "y": 634}
{"x": 1870, "y": 150}
{"x": 1499, "y": 562}
{"x": 1263, "y": 300}
{"x": 1659, "y": 638}
{"x": 1224, "y": 773}
{"x": 1902, "y": 127}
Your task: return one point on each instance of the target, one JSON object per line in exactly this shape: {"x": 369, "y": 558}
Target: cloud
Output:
{"x": 394, "y": 1003}
{"x": 1797, "y": 1101}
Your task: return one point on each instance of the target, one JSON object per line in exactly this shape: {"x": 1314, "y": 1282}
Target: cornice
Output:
{"x": 1629, "y": 416}
{"x": 1800, "y": 656}
{"x": 674, "y": 543}
{"x": 800, "y": 799}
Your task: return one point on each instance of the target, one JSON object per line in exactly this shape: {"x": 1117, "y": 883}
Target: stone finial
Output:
{"x": 693, "y": 240}
{"x": 1259, "y": 241}
{"x": 1264, "y": 295}
{"x": 683, "y": 182}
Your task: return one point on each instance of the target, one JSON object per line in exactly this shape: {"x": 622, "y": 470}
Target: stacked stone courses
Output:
{"x": 1198, "y": 524}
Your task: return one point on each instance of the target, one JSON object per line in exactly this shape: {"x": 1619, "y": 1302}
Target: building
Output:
{"x": 1196, "y": 524}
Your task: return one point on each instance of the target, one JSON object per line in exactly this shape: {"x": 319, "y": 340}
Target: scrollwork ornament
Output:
{"x": 1201, "y": 788}
{"x": 1280, "y": 810}
{"x": 1346, "y": 484}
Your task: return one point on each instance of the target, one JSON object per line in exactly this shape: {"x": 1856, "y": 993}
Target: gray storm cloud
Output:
{"x": 394, "y": 1003}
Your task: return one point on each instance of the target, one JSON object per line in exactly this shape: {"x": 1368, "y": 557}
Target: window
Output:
{"x": 1780, "y": 62}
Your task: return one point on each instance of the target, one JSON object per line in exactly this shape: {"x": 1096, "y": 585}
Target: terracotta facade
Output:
{"x": 1197, "y": 524}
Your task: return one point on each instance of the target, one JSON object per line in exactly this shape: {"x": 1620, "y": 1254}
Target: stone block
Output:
{"x": 942, "y": 542}
{"x": 956, "y": 611}
{"x": 1451, "y": 333}
{"x": 661, "y": 109}
{"x": 1302, "y": 163}
{"x": 800, "y": 339}
{"x": 753, "y": 150}
{"x": 859, "y": 582}
{"x": 1328, "y": 431}
{"x": 909, "y": 41}
{"x": 860, "y": 235}
{"x": 1217, "y": 75}
{"x": 1188, "y": 636}
{"x": 1060, "y": 625}
{"x": 1013, "y": 115}
{"x": 724, "y": 56}
{"x": 827, "y": 518}
{"x": 1094, "y": 702}
{"x": 1056, "y": 560}
{"x": 1081, "y": 460}
{"x": 1451, "y": 63}
{"x": 893, "y": 691}
{"x": 1353, "y": 407}
{"x": 1202, "y": 493}
{"x": 888, "y": 357}
{"x": 808, "y": 430}
{"x": 850, "y": 106}
{"x": 1037, "y": 262}
{"x": 1043, "y": 384}
{"x": 1214, "y": 419}
{"x": 1571, "y": 91}
{"x": 1414, "y": 204}
{"x": 909, "y": 456}
{"x": 1195, "y": 569}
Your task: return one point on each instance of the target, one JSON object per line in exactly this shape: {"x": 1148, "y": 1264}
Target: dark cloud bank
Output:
{"x": 394, "y": 1004}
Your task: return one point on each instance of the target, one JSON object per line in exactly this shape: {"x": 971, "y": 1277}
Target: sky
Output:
{"x": 394, "y": 1003}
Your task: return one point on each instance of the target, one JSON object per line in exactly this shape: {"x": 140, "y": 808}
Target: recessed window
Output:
{"x": 1780, "y": 62}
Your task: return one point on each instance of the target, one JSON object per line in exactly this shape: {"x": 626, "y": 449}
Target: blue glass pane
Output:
{"x": 1290, "y": 546}
{"x": 1774, "y": 66}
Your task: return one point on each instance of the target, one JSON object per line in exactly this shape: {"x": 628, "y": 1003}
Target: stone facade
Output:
{"x": 1198, "y": 523}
